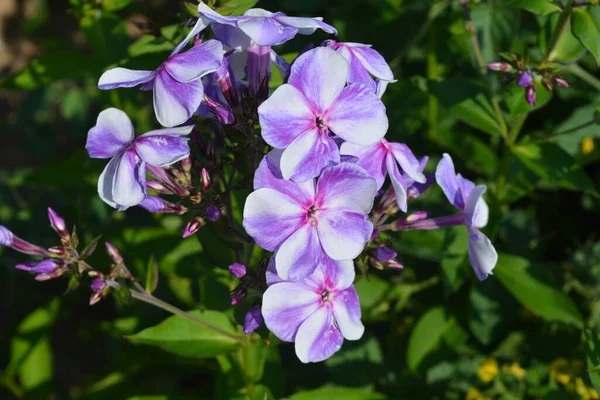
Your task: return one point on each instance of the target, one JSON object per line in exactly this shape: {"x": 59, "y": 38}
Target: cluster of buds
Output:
{"x": 515, "y": 68}
{"x": 101, "y": 283}
{"x": 249, "y": 279}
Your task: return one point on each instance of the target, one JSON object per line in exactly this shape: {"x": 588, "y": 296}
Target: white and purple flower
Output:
{"x": 315, "y": 313}
{"x": 300, "y": 115}
{"x": 304, "y": 222}
{"x": 177, "y": 86}
{"x": 122, "y": 184}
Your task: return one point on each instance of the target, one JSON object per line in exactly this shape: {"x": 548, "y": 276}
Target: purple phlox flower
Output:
{"x": 213, "y": 213}
{"x": 252, "y": 320}
{"x": 316, "y": 313}
{"x": 214, "y": 105}
{"x": 176, "y": 84}
{"x": 6, "y": 237}
{"x": 261, "y": 26}
{"x": 364, "y": 63}
{"x": 237, "y": 269}
{"x": 382, "y": 159}
{"x": 45, "y": 269}
{"x": 299, "y": 115}
{"x": 524, "y": 80}
{"x": 98, "y": 285}
{"x": 385, "y": 254}
{"x": 467, "y": 197}
{"x": 303, "y": 222}
{"x": 155, "y": 204}
{"x": 122, "y": 184}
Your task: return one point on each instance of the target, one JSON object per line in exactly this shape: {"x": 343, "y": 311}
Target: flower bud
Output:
{"x": 547, "y": 84}
{"x": 58, "y": 224}
{"x": 205, "y": 178}
{"x": 22, "y": 246}
{"x": 46, "y": 266}
{"x": 220, "y": 111}
{"x": 6, "y": 237}
{"x": 98, "y": 284}
{"x": 57, "y": 251}
{"x": 252, "y": 320}
{"x": 530, "y": 94}
{"x": 524, "y": 80}
{"x": 186, "y": 165}
{"x": 113, "y": 253}
{"x": 163, "y": 177}
{"x": 416, "y": 216}
{"x": 560, "y": 81}
{"x": 196, "y": 198}
{"x": 384, "y": 254}
{"x": 213, "y": 213}
{"x": 587, "y": 145}
{"x": 155, "y": 204}
{"x": 193, "y": 226}
{"x": 224, "y": 78}
{"x": 500, "y": 66}
{"x": 52, "y": 275}
{"x": 237, "y": 269}
{"x": 157, "y": 187}
{"x": 259, "y": 71}
{"x": 96, "y": 297}
{"x": 238, "y": 295}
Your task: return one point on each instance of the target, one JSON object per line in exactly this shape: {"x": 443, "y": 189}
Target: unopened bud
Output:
{"x": 205, "y": 178}
{"x": 525, "y": 79}
{"x": 53, "y": 275}
{"x": 238, "y": 295}
{"x": 113, "y": 253}
{"x": 196, "y": 198}
{"x": 237, "y": 269}
{"x": 58, "y": 224}
{"x": 252, "y": 320}
{"x": 213, "y": 213}
{"x": 6, "y": 237}
{"x": 225, "y": 79}
{"x": 416, "y": 216}
{"x": 186, "y": 164}
{"x": 384, "y": 254}
{"x": 530, "y": 94}
{"x": 39, "y": 267}
{"x": 157, "y": 187}
{"x": 394, "y": 264}
{"x": 22, "y": 246}
{"x": 57, "y": 251}
{"x": 500, "y": 66}
{"x": 560, "y": 81}
{"x": 193, "y": 226}
{"x": 96, "y": 297}
{"x": 587, "y": 145}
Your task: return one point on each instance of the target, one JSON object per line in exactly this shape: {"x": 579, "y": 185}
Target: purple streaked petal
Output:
{"x": 268, "y": 175}
{"x": 343, "y": 234}
{"x": 237, "y": 269}
{"x": 306, "y": 26}
{"x": 300, "y": 254}
{"x": 122, "y": 183}
{"x": 196, "y": 62}
{"x": 357, "y": 73}
{"x": 285, "y": 306}
{"x": 340, "y": 274}
{"x": 482, "y": 254}
{"x": 252, "y": 320}
{"x": 175, "y": 102}
{"x": 318, "y": 338}
{"x": 271, "y": 274}
{"x": 381, "y": 87}
{"x": 320, "y": 74}
{"x": 398, "y": 182}
{"x": 271, "y": 217}
{"x": 445, "y": 176}
{"x": 231, "y": 36}
{"x": 162, "y": 150}
{"x": 407, "y": 160}
{"x": 371, "y": 158}
{"x": 346, "y": 187}
{"x": 124, "y": 78}
{"x": 307, "y": 155}
{"x": 46, "y": 266}
{"x": 6, "y": 236}
{"x": 266, "y": 31}
{"x": 175, "y": 131}
{"x": 372, "y": 61}
{"x": 346, "y": 310}
{"x": 476, "y": 209}
{"x": 357, "y": 116}
{"x": 111, "y": 135}
{"x": 285, "y": 116}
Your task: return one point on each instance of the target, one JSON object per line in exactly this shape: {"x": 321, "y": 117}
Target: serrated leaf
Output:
{"x": 541, "y": 7}
{"x": 152, "y": 275}
{"x": 585, "y": 28}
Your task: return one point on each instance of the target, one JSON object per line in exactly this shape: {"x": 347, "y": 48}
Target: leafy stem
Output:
{"x": 559, "y": 31}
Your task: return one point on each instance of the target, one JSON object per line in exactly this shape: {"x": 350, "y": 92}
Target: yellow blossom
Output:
{"x": 562, "y": 370}
{"x": 474, "y": 394}
{"x": 587, "y": 145}
{"x": 488, "y": 369}
{"x": 585, "y": 392}
{"x": 514, "y": 369}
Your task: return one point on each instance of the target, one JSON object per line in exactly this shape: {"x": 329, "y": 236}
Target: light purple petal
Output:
{"x": 371, "y": 158}
{"x": 407, "y": 160}
{"x": 358, "y": 116}
{"x": 268, "y": 175}
{"x": 306, "y": 26}
{"x": 271, "y": 217}
{"x": 343, "y": 234}
{"x": 271, "y": 274}
{"x": 318, "y": 338}
{"x": 111, "y": 135}
{"x": 175, "y": 131}
{"x": 122, "y": 184}
{"x": 285, "y": 116}
{"x": 258, "y": 12}
{"x": 307, "y": 155}
{"x": 231, "y": 36}
{"x": 196, "y": 62}
{"x": 6, "y": 236}
{"x": 175, "y": 102}
{"x": 124, "y": 78}
{"x": 398, "y": 182}
{"x": 285, "y": 306}
{"x": 465, "y": 186}
{"x": 476, "y": 209}
{"x": 338, "y": 274}
{"x": 372, "y": 61}
{"x": 381, "y": 87}
{"x": 445, "y": 176}
{"x": 252, "y": 320}
{"x": 320, "y": 74}
{"x": 266, "y": 31}
{"x": 358, "y": 73}
{"x": 300, "y": 254}
{"x": 162, "y": 150}
{"x": 346, "y": 310}
{"x": 482, "y": 254}
{"x": 346, "y": 187}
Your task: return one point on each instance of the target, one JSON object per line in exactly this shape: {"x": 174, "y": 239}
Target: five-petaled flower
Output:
{"x": 304, "y": 222}
{"x": 316, "y": 313}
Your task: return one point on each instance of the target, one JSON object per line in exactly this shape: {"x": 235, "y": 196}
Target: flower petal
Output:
{"x": 196, "y": 62}
{"x": 161, "y": 150}
{"x": 482, "y": 254}
{"x": 343, "y": 234}
{"x": 266, "y": 31}
{"x": 346, "y": 310}
{"x": 284, "y": 116}
{"x": 358, "y": 116}
{"x": 372, "y": 61}
{"x": 271, "y": 217}
{"x": 175, "y": 102}
{"x": 268, "y": 175}
{"x": 231, "y": 36}
{"x": 122, "y": 184}
{"x": 346, "y": 187}
{"x": 340, "y": 273}
{"x": 306, "y": 26}
{"x": 111, "y": 135}
{"x": 271, "y": 274}
{"x": 124, "y": 78}
{"x": 407, "y": 160}
{"x": 371, "y": 158}
{"x": 398, "y": 182}
{"x": 320, "y": 74}
{"x": 285, "y": 306}
{"x": 358, "y": 73}
{"x": 307, "y": 155}
{"x": 445, "y": 176}
{"x": 476, "y": 209}
{"x": 300, "y": 254}
{"x": 318, "y": 338}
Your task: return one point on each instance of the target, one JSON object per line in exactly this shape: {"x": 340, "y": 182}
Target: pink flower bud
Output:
{"x": 113, "y": 253}
{"x": 58, "y": 224}
{"x": 530, "y": 94}
{"x": 22, "y": 246}
{"x": 186, "y": 164}
{"x": 560, "y": 81}
{"x": 57, "y": 251}
{"x": 205, "y": 178}
{"x": 193, "y": 226}
{"x": 239, "y": 295}
{"x": 157, "y": 187}
{"x": 500, "y": 66}
{"x": 416, "y": 216}
{"x": 237, "y": 269}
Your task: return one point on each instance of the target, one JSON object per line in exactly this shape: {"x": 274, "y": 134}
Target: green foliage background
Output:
{"x": 429, "y": 326}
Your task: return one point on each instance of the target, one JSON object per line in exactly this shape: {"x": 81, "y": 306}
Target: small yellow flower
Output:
{"x": 488, "y": 369}
{"x": 585, "y": 392}
{"x": 562, "y": 370}
{"x": 474, "y": 394}
{"x": 514, "y": 369}
{"x": 587, "y": 145}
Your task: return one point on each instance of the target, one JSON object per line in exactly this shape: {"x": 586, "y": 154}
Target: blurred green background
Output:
{"x": 433, "y": 330}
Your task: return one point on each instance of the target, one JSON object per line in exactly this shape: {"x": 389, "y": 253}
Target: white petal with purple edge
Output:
{"x": 320, "y": 74}
{"x": 175, "y": 131}
{"x": 258, "y": 12}
{"x": 343, "y": 234}
{"x": 445, "y": 177}
{"x": 175, "y": 102}
{"x": 307, "y": 155}
{"x": 111, "y": 135}
{"x": 300, "y": 254}
{"x": 285, "y": 306}
{"x": 307, "y": 26}
{"x": 346, "y": 310}
{"x": 162, "y": 150}
{"x": 476, "y": 209}
{"x": 373, "y": 62}
{"x": 346, "y": 187}
{"x": 371, "y": 158}
{"x": 358, "y": 73}
{"x": 271, "y": 274}
{"x": 271, "y": 217}
{"x": 122, "y": 184}
{"x": 407, "y": 160}
{"x": 398, "y": 182}
{"x": 358, "y": 116}
{"x": 196, "y": 62}
{"x": 284, "y": 116}
{"x": 124, "y": 78}
{"x": 266, "y": 31}
{"x": 482, "y": 254}
{"x": 318, "y": 338}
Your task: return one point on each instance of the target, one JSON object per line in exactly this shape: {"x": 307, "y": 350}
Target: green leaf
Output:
{"x": 517, "y": 275}
{"x": 235, "y": 7}
{"x": 468, "y": 102}
{"x": 568, "y": 49}
{"x": 113, "y": 5}
{"x": 152, "y": 275}
{"x": 541, "y": 7}
{"x": 107, "y": 36}
{"x": 585, "y": 29}
{"x": 181, "y": 336}
{"x": 550, "y": 162}
{"x": 337, "y": 394}
{"x": 453, "y": 260}
{"x": 593, "y": 356}
{"x": 514, "y": 96}
{"x": 434, "y": 330}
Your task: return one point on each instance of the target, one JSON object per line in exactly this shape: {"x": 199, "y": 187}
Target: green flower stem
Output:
{"x": 559, "y": 31}
{"x": 584, "y": 76}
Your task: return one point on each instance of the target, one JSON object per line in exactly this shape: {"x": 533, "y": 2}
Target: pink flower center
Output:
{"x": 320, "y": 123}
{"x": 325, "y": 295}
{"x": 311, "y": 214}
